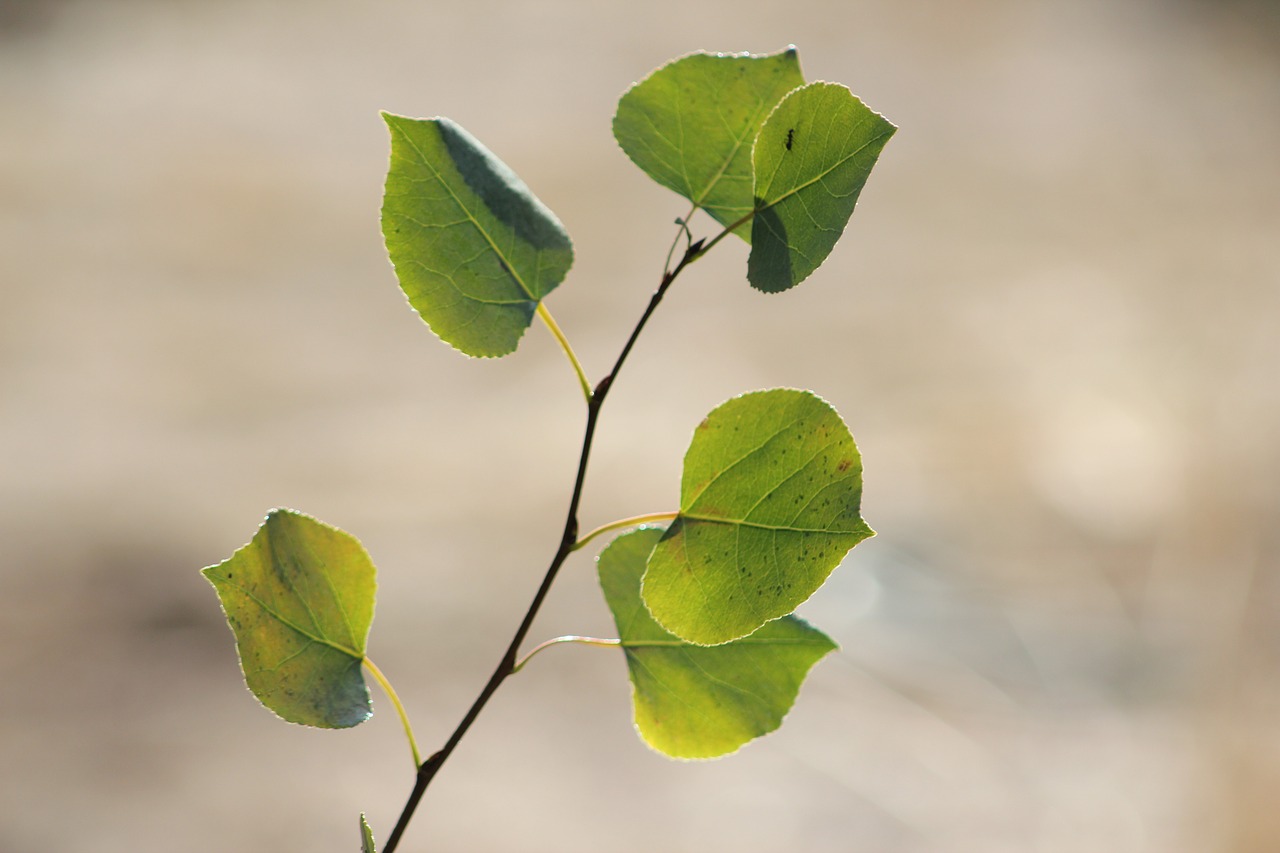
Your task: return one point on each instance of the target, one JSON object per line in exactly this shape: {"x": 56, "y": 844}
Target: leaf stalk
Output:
{"x": 556, "y": 641}
{"x": 400, "y": 711}
{"x": 554, "y": 328}
{"x": 634, "y": 521}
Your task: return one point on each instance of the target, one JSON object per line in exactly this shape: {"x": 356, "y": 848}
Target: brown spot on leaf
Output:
{"x": 845, "y": 465}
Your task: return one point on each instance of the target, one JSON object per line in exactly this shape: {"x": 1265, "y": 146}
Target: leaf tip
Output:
{"x": 393, "y": 121}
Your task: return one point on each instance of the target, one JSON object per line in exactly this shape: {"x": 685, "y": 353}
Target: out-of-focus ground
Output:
{"x": 1053, "y": 325}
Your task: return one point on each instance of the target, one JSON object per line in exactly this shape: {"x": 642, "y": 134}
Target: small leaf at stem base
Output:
{"x": 367, "y": 844}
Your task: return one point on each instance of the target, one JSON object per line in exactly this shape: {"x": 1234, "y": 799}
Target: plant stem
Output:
{"x": 551, "y": 324}
{"x": 595, "y": 399}
{"x": 634, "y": 521}
{"x": 395, "y": 700}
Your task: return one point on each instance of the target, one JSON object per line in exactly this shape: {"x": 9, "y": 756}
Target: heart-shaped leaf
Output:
{"x": 698, "y": 701}
{"x": 474, "y": 250}
{"x": 811, "y": 159}
{"x": 299, "y": 599}
{"x": 690, "y": 125}
{"x": 769, "y": 506}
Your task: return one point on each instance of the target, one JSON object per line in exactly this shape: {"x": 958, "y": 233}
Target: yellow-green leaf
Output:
{"x": 769, "y": 505}
{"x": 698, "y": 701}
{"x": 299, "y": 599}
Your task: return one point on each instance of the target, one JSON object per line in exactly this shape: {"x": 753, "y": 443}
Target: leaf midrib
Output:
{"x": 289, "y": 623}
{"x": 787, "y": 528}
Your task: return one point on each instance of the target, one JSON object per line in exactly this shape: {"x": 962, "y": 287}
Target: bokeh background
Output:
{"x": 1053, "y": 325}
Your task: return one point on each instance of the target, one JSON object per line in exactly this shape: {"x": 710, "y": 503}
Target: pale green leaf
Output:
{"x": 698, "y": 701}
{"x": 299, "y": 598}
{"x": 690, "y": 125}
{"x": 474, "y": 250}
{"x": 367, "y": 844}
{"x": 811, "y": 158}
{"x": 769, "y": 506}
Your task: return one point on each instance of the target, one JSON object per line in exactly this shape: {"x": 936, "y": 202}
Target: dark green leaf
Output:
{"x": 698, "y": 701}
{"x": 769, "y": 506}
{"x": 812, "y": 157}
{"x": 474, "y": 249}
{"x": 690, "y": 125}
{"x": 299, "y": 598}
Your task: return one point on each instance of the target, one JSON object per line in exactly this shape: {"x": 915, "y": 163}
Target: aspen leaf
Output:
{"x": 769, "y": 505}
{"x": 474, "y": 250}
{"x": 697, "y": 701}
{"x": 299, "y": 599}
{"x": 690, "y": 125}
{"x": 811, "y": 160}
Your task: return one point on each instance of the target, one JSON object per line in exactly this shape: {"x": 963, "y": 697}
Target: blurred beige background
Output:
{"x": 1054, "y": 327}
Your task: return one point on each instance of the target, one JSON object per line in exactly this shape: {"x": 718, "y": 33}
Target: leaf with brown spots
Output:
{"x": 769, "y": 506}
{"x": 696, "y": 701}
{"x": 299, "y": 599}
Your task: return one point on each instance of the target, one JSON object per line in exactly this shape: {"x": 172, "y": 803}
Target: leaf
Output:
{"x": 367, "y": 844}
{"x": 474, "y": 250}
{"x": 690, "y": 125}
{"x": 812, "y": 157}
{"x": 299, "y": 598}
{"x": 697, "y": 701}
{"x": 769, "y": 506}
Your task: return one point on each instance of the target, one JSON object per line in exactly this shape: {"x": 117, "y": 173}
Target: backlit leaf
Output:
{"x": 769, "y": 506}
{"x": 698, "y": 701}
{"x": 812, "y": 157}
{"x": 367, "y": 844}
{"x": 690, "y": 125}
{"x": 299, "y": 598}
{"x": 474, "y": 250}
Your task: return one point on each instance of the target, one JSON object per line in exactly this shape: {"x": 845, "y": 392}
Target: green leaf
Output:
{"x": 299, "y": 598}
{"x": 812, "y": 157}
{"x": 697, "y": 701}
{"x": 769, "y": 506}
{"x": 367, "y": 844}
{"x": 690, "y": 125}
{"x": 474, "y": 249}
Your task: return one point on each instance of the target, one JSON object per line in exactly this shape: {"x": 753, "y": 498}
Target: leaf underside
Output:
{"x": 690, "y": 125}
{"x": 811, "y": 160}
{"x": 299, "y": 599}
{"x": 769, "y": 505}
{"x": 474, "y": 250}
{"x": 697, "y": 701}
